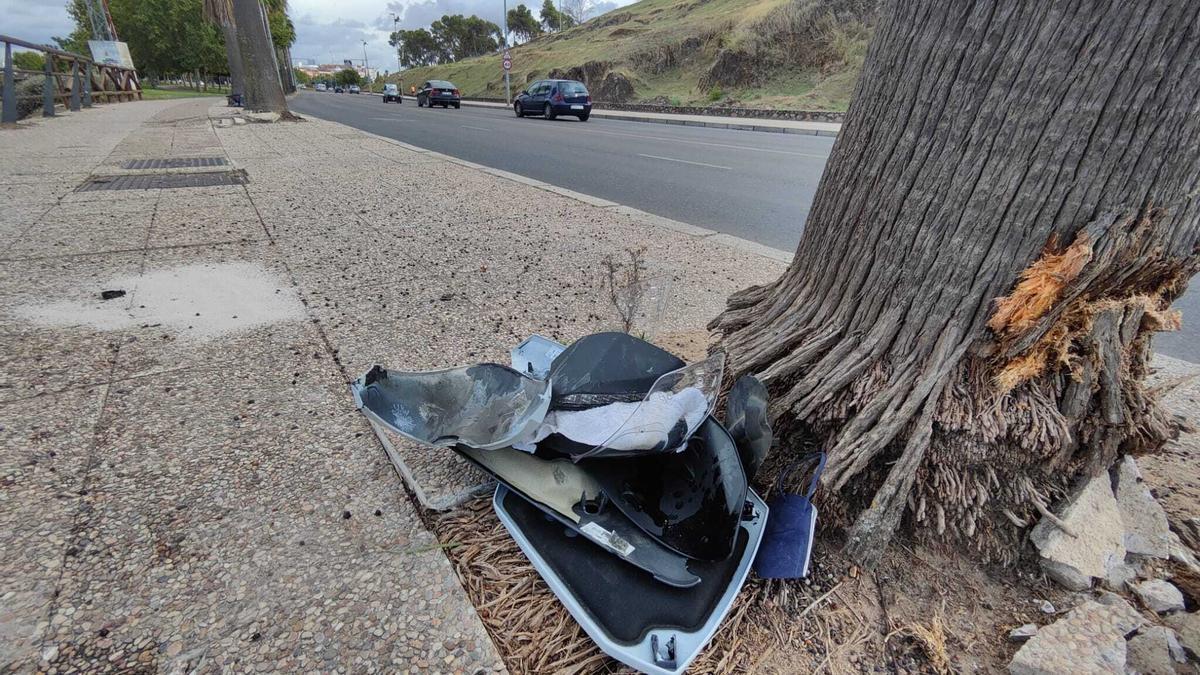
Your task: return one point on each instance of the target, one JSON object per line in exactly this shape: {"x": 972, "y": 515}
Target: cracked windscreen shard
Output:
{"x": 482, "y": 406}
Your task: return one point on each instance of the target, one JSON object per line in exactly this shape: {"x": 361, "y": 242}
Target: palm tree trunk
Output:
{"x": 237, "y": 78}
{"x": 1005, "y": 219}
{"x": 264, "y": 91}
{"x": 285, "y": 71}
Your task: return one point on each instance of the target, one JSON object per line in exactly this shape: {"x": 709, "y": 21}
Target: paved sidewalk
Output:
{"x": 713, "y": 121}
{"x": 184, "y": 482}
{"x": 177, "y": 499}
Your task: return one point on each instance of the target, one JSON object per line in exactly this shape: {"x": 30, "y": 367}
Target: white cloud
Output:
{"x": 328, "y": 32}
{"x": 38, "y": 21}
{"x": 331, "y": 32}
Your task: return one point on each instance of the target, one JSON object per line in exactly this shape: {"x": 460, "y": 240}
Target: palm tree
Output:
{"x": 220, "y": 13}
{"x": 264, "y": 90}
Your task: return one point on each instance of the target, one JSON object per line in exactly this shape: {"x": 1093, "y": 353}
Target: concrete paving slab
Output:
{"x": 239, "y": 514}
{"x": 38, "y": 361}
{"x": 43, "y": 453}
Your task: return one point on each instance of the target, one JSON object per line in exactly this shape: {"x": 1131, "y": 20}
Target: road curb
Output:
{"x": 738, "y": 243}
{"x": 714, "y": 124}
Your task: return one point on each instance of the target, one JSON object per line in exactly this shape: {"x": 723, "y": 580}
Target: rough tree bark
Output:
{"x": 285, "y": 70}
{"x": 237, "y": 79}
{"x": 220, "y": 13}
{"x": 264, "y": 91}
{"x": 1008, "y": 212}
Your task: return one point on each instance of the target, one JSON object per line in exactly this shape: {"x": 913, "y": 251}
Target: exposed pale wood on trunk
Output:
{"x": 983, "y": 134}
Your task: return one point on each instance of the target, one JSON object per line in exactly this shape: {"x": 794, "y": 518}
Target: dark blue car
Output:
{"x": 551, "y": 98}
{"x": 439, "y": 92}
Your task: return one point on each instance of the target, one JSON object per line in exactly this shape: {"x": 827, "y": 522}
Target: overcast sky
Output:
{"x": 327, "y": 31}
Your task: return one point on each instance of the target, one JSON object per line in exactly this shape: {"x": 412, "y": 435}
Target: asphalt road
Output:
{"x": 753, "y": 185}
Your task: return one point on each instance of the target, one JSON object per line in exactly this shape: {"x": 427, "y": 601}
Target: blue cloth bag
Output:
{"x": 786, "y": 547}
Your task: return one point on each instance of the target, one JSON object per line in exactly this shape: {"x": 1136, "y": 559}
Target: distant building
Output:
{"x": 328, "y": 70}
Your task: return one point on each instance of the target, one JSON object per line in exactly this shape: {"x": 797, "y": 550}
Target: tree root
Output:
{"x": 969, "y": 445}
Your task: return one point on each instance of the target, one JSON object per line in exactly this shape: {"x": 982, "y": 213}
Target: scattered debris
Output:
{"x": 788, "y": 549}
{"x": 1089, "y": 639}
{"x": 1095, "y": 543}
{"x": 1023, "y": 633}
{"x": 1159, "y": 596}
{"x": 1120, "y": 576}
{"x": 1154, "y": 651}
{"x": 109, "y": 295}
{"x": 609, "y": 442}
{"x": 1181, "y": 553}
{"x": 1146, "y": 531}
{"x": 1187, "y": 628}
{"x": 1048, "y": 607}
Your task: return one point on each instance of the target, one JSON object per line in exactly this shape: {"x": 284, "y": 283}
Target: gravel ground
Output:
{"x": 201, "y": 494}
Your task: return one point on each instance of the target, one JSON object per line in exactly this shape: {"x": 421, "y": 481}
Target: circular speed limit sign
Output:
{"x": 507, "y": 62}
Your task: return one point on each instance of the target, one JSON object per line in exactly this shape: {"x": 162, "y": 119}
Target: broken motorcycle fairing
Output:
{"x": 646, "y": 402}
{"x": 691, "y": 501}
{"x": 483, "y": 406}
{"x": 572, "y": 495}
{"x": 630, "y": 499}
{"x": 649, "y": 626}
{"x": 748, "y": 421}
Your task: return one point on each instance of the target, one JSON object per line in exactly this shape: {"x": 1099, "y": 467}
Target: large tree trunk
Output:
{"x": 285, "y": 71}
{"x": 1008, "y": 212}
{"x": 264, "y": 91}
{"x": 237, "y": 79}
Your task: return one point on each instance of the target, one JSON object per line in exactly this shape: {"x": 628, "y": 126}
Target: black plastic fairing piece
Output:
{"x": 651, "y": 627}
{"x": 607, "y": 368}
{"x": 748, "y": 422}
{"x": 623, "y": 600}
{"x": 599, "y": 521}
{"x": 690, "y": 501}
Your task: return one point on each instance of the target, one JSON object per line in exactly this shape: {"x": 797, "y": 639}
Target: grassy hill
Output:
{"x": 795, "y": 54}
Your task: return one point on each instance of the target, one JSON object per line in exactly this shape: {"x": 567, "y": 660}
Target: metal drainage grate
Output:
{"x": 164, "y": 181}
{"x": 175, "y": 163}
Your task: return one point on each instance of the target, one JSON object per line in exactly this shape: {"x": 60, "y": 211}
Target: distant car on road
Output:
{"x": 338, "y": 90}
{"x": 439, "y": 92}
{"x": 391, "y": 92}
{"x": 320, "y": 86}
{"x": 354, "y": 89}
{"x": 551, "y": 98}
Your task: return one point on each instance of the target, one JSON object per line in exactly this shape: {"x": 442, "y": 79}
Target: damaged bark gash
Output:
{"x": 630, "y": 499}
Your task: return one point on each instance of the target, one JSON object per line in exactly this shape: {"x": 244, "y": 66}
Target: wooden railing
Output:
{"x": 72, "y": 80}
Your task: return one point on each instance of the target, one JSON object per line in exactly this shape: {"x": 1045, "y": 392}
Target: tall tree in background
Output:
{"x": 220, "y": 14}
{"x": 1008, "y": 212}
{"x": 416, "y": 47}
{"x": 523, "y": 24}
{"x": 575, "y": 12}
{"x": 264, "y": 90}
{"x": 553, "y": 19}
{"x": 283, "y": 34}
{"x": 461, "y": 37}
{"x": 77, "y": 41}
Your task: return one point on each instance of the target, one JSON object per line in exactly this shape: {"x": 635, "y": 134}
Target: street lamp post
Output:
{"x": 366, "y": 65}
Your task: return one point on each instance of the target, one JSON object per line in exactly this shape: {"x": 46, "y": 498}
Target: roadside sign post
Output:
{"x": 507, "y": 58}
{"x": 507, "y": 62}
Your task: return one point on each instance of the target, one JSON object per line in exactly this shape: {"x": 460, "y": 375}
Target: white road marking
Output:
{"x": 684, "y": 161}
{"x": 467, "y": 126}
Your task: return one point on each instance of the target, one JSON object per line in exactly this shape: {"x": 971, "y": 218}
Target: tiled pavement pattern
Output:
{"x": 169, "y": 503}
